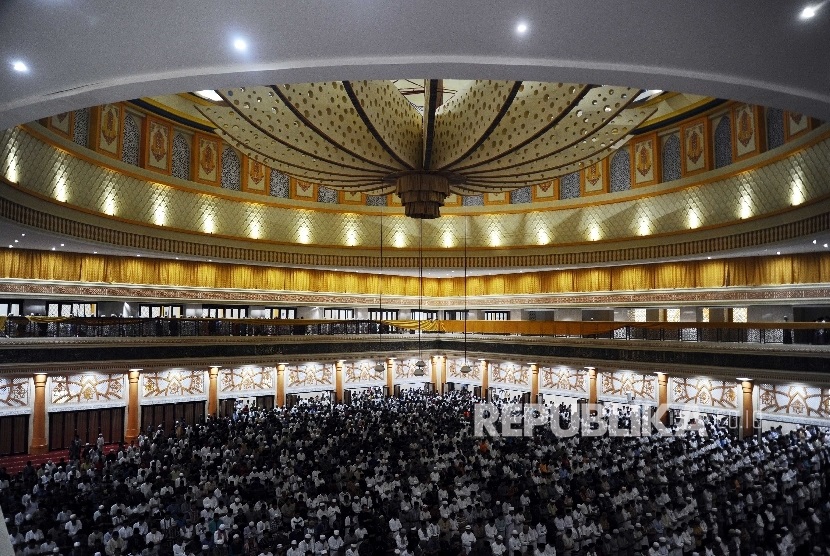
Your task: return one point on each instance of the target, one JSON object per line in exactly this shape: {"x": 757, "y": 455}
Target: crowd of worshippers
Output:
{"x": 406, "y": 476}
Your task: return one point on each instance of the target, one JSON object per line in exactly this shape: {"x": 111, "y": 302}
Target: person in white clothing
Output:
{"x": 468, "y": 539}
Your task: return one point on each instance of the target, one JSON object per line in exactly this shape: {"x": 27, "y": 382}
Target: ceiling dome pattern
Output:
{"x": 366, "y": 137}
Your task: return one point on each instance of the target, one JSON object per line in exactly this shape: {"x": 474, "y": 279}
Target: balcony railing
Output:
{"x": 66, "y": 327}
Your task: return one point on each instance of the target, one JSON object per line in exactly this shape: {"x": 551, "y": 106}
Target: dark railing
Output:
{"x": 58, "y": 327}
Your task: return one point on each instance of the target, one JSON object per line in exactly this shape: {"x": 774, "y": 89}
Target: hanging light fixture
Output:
{"x": 379, "y": 366}
{"x": 465, "y": 369}
{"x": 419, "y": 365}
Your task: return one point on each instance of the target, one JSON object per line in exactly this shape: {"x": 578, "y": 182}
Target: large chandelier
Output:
{"x": 365, "y": 136}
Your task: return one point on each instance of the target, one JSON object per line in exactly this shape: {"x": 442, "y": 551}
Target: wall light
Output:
{"x": 694, "y": 219}
{"x": 399, "y": 239}
{"x": 13, "y": 169}
{"x": 645, "y": 226}
{"x": 61, "y": 189}
{"x": 745, "y": 210}
{"x": 797, "y": 193}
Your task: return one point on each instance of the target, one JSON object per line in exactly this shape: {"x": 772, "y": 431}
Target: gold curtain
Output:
{"x": 747, "y": 272}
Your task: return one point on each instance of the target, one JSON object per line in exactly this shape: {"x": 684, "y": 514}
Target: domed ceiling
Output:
{"x": 367, "y": 136}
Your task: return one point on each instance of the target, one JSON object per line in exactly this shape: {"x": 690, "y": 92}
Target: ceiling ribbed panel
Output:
{"x": 585, "y": 152}
{"x": 277, "y": 134}
{"x": 397, "y": 125}
{"x": 585, "y": 118}
{"x": 465, "y": 120}
{"x": 327, "y": 110}
{"x": 312, "y": 169}
{"x": 536, "y": 109}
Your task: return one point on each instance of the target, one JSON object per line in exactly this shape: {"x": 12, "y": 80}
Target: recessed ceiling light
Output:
{"x": 53, "y": 248}
{"x": 16, "y": 241}
{"x": 808, "y": 12}
{"x": 22, "y": 235}
{"x": 240, "y": 44}
{"x": 208, "y": 94}
{"x": 61, "y": 244}
{"x": 521, "y": 28}
{"x": 11, "y": 246}
{"x": 95, "y": 252}
{"x": 778, "y": 252}
{"x": 814, "y": 242}
{"x": 19, "y": 66}
{"x": 825, "y": 245}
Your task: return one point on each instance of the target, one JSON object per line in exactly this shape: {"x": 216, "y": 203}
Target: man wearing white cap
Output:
{"x": 497, "y": 546}
{"x": 220, "y": 541}
{"x": 468, "y": 539}
{"x": 294, "y": 550}
{"x": 335, "y": 543}
{"x": 321, "y": 547}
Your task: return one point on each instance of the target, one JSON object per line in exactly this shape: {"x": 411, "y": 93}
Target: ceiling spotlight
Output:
{"x": 778, "y": 252}
{"x": 240, "y": 45}
{"x": 521, "y": 28}
{"x": 825, "y": 245}
{"x": 11, "y": 246}
{"x": 808, "y": 12}
{"x": 19, "y": 66}
{"x": 53, "y": 248}
{"x": 61, "y": 244}
{"x": 814, "y": 242}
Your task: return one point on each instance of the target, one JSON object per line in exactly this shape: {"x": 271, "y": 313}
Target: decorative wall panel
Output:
{"x": 793, "y": 402}
{"x": 206, "y": 157}
{"x": 521, "y": 196}
{"x": 546, "y": 191}
{"x": 594, "y": 178}
{"x": 172, "y": 385}
{"x": 311, "y": 376}
{"x": 705, "y": 393}
{"x": 247, "y": 381}
{"x": 645, "y": 170}
{"x": 671, "y": 158}
{"x": 107, "y": 133}
{"x": 775, "y": 127}
{"x": 327, "y": 195}
{"x": 181, "y": 157}
{"x": 564, "y": 380}
{"x": 795, "y": 125}
{"x": 80, "y": 131}
{"x": 569, "y": 186}
{"x": 620, "y": 170}
{"x": 131, "y": 141}
{"x": 694, "y": 147}
{"x": 405, "y": 371}
{"x": 617, "y": 386}
{"x": 303, "y": 190}
{"x": 351, "y": 198}
{"x": 15, "y": 395}
{"x": 746, "y": 140}
{"x": 279, "y": 185}
{"x": 231, "y": 170}
{"x": 723, "y": 142}
{"x": 79, "y": 389}
{"x": 158, "y": 149}
{"x": 510, "y": 373}
{"x": 472, "y": 200}
{"x": 62, "y": 124}
{"x": 255, "y": 177}
{"x": 363, "y": 373}
{"x": 454, "y": 373}
{"x": 375, "y": 200}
